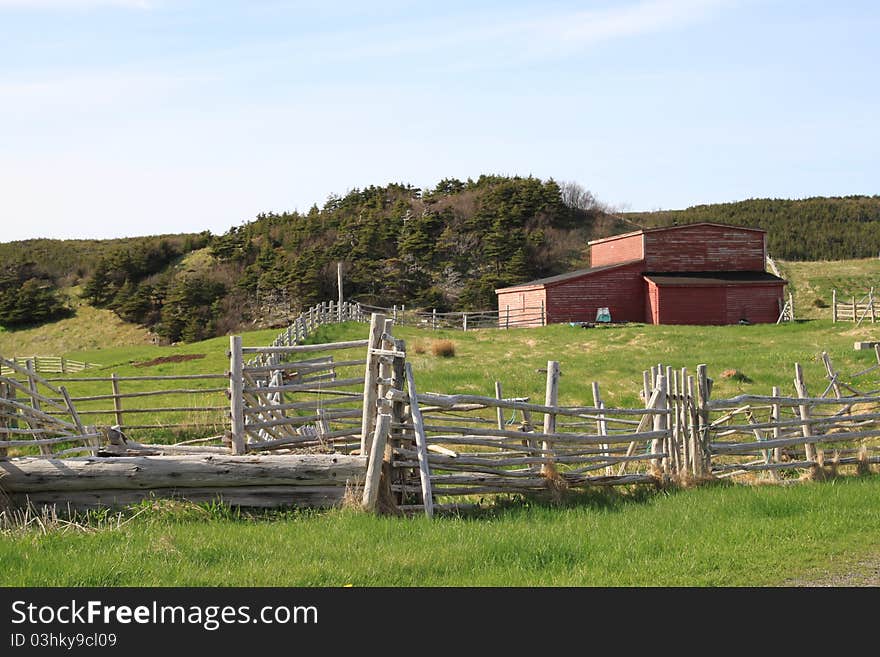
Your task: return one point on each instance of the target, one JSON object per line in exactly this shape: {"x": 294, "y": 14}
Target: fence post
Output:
{"x": 507, "y": 318}
{"x": 236, "y": 394}
{"x": 834, "y": 306}
{"x": 601, "y": 424}
{"x": 777, "y": 430}
{"x": 703, "y": 452}
{"x": 433, "y": 319}
{"x": 464, "y": 321}
{"x": 804, "y": 410}
{"x": 543, "y": 321}
{"x": 499, "y": 412}
{"x": 551, "y": 398}
{"x": 371, "y": 373}
{"x": 117, "y": 400}
{"x": 660, "y": 421}
{"x": 854, "y": 309}
{"x": 4, "y": 422}
{"x": 339, "y": 289}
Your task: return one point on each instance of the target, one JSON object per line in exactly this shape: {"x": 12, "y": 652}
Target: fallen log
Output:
{"x": 29, "y": 475}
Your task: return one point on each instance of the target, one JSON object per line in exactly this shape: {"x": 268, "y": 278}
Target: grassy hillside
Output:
{"x": 812, "y": 283}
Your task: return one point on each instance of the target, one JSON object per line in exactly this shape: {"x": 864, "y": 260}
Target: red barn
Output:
{"x": 702, "y": 273}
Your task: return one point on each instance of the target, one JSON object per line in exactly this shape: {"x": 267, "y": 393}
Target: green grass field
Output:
{"x": 714, "y": 536}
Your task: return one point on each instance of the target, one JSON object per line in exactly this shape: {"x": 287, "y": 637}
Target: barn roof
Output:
{"x": 676, "y": 227}
{"x": 561, "y": 278}
{"x": 713, "y": 278}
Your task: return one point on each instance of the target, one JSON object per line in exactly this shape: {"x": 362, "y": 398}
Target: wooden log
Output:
{"x": 421, "y": 443}
{"x": 185, "y": 471}
{"x": 370, "y": 498}
{"x": 450, "y": 401}
{"x": 751, "y": 447}
{"x": 739, "y": 400}
{"x": 169, "y": 377}
{"x": 240, "y": 496}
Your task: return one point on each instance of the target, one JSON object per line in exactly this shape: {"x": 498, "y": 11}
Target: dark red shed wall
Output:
{"x": 621, "y": 290}
{"x": 758, "y": 304}
{"x": 704, "y": 248}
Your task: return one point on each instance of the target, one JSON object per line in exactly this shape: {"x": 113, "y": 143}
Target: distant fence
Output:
{"x": 463, "y": 320}
{"x": 48, "y": 364}
{"x": 853, "y": 310}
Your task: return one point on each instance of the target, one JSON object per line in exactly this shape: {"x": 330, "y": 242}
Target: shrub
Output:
{"x": 443, "y": 348}
{"x": 820, "y": 303}
{"x": 419, "y": 347}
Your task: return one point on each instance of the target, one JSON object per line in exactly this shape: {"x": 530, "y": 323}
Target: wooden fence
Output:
{"x": 467, "y": 320}
{"x": 47, "y": 365}
{"x": 853, "y": 310}
{"x": 420, "y": 450}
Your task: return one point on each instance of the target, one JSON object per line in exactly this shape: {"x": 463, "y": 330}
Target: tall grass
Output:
{"x": 715, "y": 536}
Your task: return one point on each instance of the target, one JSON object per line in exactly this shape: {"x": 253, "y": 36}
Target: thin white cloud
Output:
{"x": 75, "y": 4}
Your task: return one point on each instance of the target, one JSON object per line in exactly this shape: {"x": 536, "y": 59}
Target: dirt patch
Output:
{"x": 863, "y": 573}
{"x": 179, "y": 358}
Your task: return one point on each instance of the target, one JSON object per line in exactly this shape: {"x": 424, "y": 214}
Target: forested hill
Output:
{"x": 820, "y": 228}
{"x": 447, "y": 248}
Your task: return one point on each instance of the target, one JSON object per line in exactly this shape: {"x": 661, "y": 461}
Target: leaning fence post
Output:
{"x": 371, "y": 373}
{"x": 421, "y": 442}
{"x": 374, "y": 462}
{"x": 551, "y": 398}
{"x": 236, "y": 394}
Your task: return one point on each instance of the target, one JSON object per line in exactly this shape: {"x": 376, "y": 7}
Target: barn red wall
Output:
{"x": 759, "y": 304}
{"x": 525, "y": 307}
{"x": 692, "y": 305}
{"x": 704, "y": 248}
{"x": 717, "y": 304}
{"x": 652, "y": 303}
{"x": 621, "y": 290}
{"x": 612, "y": 252}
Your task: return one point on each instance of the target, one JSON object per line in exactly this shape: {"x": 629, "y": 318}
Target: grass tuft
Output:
{"x": 443, "y": 348}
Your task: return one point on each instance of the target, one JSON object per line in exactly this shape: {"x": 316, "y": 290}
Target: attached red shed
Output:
{"x": 693, "y": 274}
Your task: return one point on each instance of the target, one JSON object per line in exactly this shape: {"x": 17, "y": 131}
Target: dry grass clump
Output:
{"x": 443, "y": 348}
{"x": 735, "y": 375}
{"x": 419, "y": 347}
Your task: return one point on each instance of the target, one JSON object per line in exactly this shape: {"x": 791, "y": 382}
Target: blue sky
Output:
{"x": 133, "y": 117}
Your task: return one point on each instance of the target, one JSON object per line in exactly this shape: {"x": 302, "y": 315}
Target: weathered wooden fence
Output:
{"x": 853, "y": 310}
{"x": 418, "y": 450}
{"x": 465, "y": 320}
{"x": 47, "y": 365}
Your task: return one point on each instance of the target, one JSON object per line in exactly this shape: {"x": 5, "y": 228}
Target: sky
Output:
{"x": 140, "y": 117}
